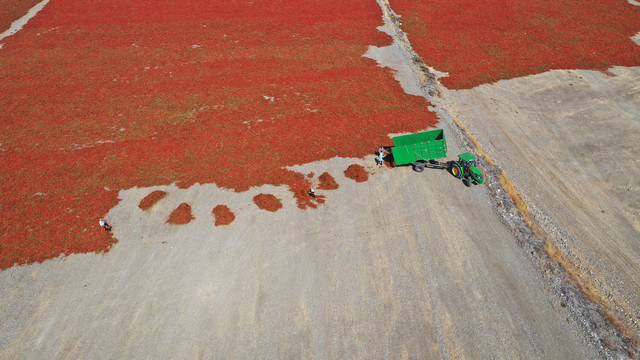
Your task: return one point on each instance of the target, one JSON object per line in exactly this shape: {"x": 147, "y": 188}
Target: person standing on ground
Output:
{"x": 381, "y": 152}
{"x": 104, "y": 225}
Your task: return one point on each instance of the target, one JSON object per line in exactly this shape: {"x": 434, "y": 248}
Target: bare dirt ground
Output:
{"x": 569, "y": 140}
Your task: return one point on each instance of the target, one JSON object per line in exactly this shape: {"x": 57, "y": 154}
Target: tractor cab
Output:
{"x": 465, "y": 168}
{"x": 467, "y": 159}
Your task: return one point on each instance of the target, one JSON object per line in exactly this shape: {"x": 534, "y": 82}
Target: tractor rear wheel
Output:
{"x": 455, "y": 170}
{"x": 418, "y": 167}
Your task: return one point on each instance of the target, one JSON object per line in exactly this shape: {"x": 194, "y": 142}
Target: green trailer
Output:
{"x": 419, "y": 149}
{"x": 424, "y": 149}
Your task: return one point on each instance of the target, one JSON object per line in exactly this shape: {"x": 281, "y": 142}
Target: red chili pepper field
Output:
{"x": 99, "y": 96}
{"x": 489, "y": 40}
{"x": 105, "y": 95}
{"x": 10, "y": 10}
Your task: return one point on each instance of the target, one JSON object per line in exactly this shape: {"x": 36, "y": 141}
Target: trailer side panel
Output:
{"x": 424, "y": 146}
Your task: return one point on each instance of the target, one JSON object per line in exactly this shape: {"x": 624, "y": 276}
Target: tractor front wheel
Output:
{"x": 467, "y": 181}
{"x": 455, "y": 170}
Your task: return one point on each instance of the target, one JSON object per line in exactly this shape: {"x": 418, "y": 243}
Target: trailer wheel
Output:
{"x": 418, "y": 167}
{"x": 455, "y": 170}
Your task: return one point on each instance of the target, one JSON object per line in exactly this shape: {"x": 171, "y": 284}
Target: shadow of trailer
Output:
{"x": 422, "y": 150}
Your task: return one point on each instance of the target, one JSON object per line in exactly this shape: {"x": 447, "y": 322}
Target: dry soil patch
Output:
{"x": 569, "y": 141}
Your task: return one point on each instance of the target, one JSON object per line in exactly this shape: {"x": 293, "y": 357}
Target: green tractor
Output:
{"x": 465, "y": 168}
